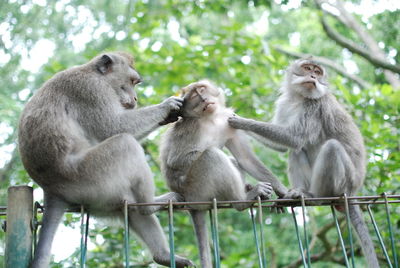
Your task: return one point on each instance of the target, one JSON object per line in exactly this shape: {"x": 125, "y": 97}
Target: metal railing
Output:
{"x": 257, "y": 220}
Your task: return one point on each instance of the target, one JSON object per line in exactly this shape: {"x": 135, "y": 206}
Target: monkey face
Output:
{"x": 201, "y": 98}
{"x": 117, "y": 70}
{"x": 308, "y": 79}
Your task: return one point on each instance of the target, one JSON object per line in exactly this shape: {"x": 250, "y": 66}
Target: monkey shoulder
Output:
{"x": 288, "y": 111}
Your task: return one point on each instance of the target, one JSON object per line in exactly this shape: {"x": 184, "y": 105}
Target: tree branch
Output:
{"x": 349, "y": 20}
{"x": 353, "y": 47}
{"x": 328, "y": 63}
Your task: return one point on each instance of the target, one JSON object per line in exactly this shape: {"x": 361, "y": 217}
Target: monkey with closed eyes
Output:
{"x": 78, "y": 139}
{"x": 327, "y": 155}
{"x": 195, "y": 166}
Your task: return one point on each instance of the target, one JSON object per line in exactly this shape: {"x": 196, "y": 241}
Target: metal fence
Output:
{"x": 256, "y": 213}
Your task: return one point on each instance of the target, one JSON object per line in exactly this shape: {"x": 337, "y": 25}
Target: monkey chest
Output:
{"x": 216, "y": 133}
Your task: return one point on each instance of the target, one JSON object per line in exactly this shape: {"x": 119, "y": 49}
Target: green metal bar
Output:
{"x": 84, "y": 234}
{"x": 260, "y": 262}
{"x": 260, "y": 222}
{"x": 214, "y": 233}
{"x": 305, "y": 230}
{"x": 171, "y": 234}
{"x": 35, "y": 224}
{"x": 340, "y": 237}
{"x": 298, "y": 239}
{"x": 379, "y": 236}
{"x": 346, "y": 204}
{"x": 126, "y": 234}
{"x": 396, "y": 265}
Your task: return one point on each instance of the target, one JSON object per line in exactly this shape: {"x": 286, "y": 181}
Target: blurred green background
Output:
{"x": 244, "y": 47}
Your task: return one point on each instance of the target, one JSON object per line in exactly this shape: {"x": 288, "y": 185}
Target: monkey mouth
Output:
{"x": 208, "y": 105}
{"x": 128, "y": 105}
{"x": 309, "y": 84}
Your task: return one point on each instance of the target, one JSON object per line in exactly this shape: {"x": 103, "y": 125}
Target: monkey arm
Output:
{"x": 268, "y": 143}
{"x": 247, "y": 160}
{"x": 275, "y": 133}
{"x": 141, "y": 122}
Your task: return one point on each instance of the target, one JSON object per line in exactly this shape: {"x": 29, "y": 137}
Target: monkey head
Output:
{"x": 117, "y": 69}
{"x": 306, "y": 78}
{"x": 201, "y": 98}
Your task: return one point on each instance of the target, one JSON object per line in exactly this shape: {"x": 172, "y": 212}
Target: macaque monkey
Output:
{"x": 327, "y": 155}
{"x": 78, "y": 139}
{"x": 195, "y": 166}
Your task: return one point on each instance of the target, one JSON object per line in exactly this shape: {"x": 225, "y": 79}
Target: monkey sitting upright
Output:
{"x": 195, "y": 166}
{"x": 78, "y": 139}
{"x": 327, "y": 154}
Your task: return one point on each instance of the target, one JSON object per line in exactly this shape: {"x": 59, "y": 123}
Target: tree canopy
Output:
{"x": 242, "y": 46}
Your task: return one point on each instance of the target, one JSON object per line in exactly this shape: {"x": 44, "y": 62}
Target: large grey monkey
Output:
{"x": 195, "y": 166}
{"x": 78, "y": 139}
{"x": 327, "y": 155}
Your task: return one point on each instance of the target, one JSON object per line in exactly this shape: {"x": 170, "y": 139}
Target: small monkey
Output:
{"x": 195, "y": 166}
{"x": 78, "y": 139}
{"x": 327, "y": 155}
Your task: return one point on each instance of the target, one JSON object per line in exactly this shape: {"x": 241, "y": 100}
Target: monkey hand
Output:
{"x": 262, "y": 189}
{"x": 173, "y": 106}
{"x": 236, "y": 121}
{"x": 296, "y": 193}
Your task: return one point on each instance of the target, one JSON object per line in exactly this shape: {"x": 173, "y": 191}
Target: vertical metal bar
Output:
{"x": 340, "y": 237}
{"x": 83, "y": 249}
{"x": 171, "y": 234}
{"x": 35, "y": 224}
{"x": 346, "y": 204}
{"x": 260, "y": 262}
{"x": 126, "y": 234}
{"x": 261, "y": 224}
{"x": 86, "y": 234}
{"x": 214, "y": 233}
{"x": 298, "y": 239}
{"x": 396, "y": 265}
{"x": 19, "y": 230}
{"x": 305, "y": 230}
{"x": 379, "y": 236}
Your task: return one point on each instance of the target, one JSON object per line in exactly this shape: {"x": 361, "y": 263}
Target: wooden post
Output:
{"x": 18, "y": 251}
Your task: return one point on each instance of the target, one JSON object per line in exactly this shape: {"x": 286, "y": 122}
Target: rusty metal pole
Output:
{"x": 18, "y": 251}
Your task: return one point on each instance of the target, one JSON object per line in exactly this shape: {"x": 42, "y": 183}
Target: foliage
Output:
{"x": 176, "y": 42}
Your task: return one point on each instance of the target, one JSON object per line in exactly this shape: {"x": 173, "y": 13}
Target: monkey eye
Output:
{"x": 307, "y": 68}
{"x": 318, "y": 72}
{"x": 136, "y": 81}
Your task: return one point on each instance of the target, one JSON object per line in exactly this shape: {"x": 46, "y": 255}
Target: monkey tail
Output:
{"x": 200, "y": 227}
{"x": 361, "y": 228}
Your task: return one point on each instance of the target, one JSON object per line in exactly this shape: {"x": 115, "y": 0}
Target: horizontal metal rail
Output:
{"x": 326, "y": 201}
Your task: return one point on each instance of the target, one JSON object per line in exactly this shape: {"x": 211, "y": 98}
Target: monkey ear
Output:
{"x": 104, "y": 64}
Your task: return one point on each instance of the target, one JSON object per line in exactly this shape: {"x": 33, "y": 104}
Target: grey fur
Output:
{"x": 195, "y": 166}
{"x": 78, "y": 140}
{"x": 327, "y": 155}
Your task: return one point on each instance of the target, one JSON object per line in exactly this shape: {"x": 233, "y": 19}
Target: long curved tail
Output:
{"x": 200, "y": 227}
{"x": 367, "y": 246}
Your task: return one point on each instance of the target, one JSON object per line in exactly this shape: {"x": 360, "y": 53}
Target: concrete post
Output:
{"x": 18, "y": 251}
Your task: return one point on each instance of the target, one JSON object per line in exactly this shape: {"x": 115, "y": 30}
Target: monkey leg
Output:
{"x": 148, "y": 228}
{"x": 53, "y": 213}
{"x": 299, "y": 173}
{"x": 333, "y": 172}
{"x": 115, "y": 168}
{"x": 200, "y": 227}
